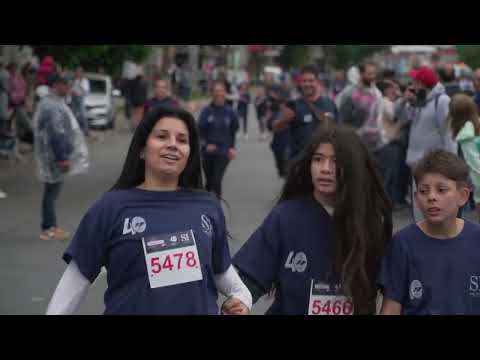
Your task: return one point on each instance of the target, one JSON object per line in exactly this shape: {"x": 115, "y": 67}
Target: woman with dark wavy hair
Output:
{"x": 321, "y": 246}
{"x": 160, "y": 236}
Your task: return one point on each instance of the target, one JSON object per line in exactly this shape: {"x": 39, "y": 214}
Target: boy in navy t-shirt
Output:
{"x": 433, "y": 267}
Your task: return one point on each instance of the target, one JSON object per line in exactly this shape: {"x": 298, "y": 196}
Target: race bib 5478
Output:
{"x": 172, "y": 259}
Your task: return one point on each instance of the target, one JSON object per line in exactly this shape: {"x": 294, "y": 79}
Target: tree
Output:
{"x": 337, "y": 56}
{"x": 349, "y": 55}
{"x": 470, "y": 54}
{"x": 111, "y": 57}
{"x": 294, "y": 56}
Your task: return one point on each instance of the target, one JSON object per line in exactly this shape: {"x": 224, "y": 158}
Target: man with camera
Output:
{"x": 304, "y": 115}
{"x": 429, "y": 128}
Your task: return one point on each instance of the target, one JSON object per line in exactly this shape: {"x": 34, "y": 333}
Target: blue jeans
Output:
{"x": 50, "y": 196}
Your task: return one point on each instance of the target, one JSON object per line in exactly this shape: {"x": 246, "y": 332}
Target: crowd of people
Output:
{"x": 398, "y": 119}
{"x": 21, "y": 91}
{"x": 351, "y": 152}
{"x": 327, "y": 247}
{"x": 44, "y": 109}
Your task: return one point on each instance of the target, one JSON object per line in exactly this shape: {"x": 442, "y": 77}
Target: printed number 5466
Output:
{"x": 339, "y": 307}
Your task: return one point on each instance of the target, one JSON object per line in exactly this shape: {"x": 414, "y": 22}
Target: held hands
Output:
{"x": 232, "y": 154}
{"x": 234, "y": 306}
{"x": 64, "y": 165}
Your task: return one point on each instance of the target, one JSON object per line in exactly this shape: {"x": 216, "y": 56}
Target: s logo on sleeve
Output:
{"x": 206, "y": 225}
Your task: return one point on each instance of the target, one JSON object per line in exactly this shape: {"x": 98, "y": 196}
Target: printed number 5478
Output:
{"x": 157, "y": 267}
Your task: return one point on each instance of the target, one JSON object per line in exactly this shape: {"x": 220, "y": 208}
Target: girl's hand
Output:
{"x": 234, "y": 307}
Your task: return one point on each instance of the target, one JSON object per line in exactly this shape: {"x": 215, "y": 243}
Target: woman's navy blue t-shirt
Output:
{"x": 429, "y": 276}
{"x": 293, "y": 246}
{"x": 105, "y": 238}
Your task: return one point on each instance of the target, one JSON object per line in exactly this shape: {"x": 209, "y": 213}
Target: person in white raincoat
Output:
{"x": 60, "y": 151}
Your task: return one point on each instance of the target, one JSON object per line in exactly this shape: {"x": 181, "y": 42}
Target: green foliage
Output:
{"x": 111, "y": 57}
{"x": 294, "y": 56}
{"x": 470, "y": 55}
{"x": 348, "y": 55}
{"x": 340, "y": 56}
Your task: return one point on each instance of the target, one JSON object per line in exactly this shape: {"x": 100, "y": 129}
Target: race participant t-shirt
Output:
{"x": 161, "y": 251}
{"x": 293, "y": 250}
{"x": 429, "y": 276}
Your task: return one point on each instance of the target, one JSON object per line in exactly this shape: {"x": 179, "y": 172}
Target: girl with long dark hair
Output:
{"x": 320, "y": 247}
{"x": 160, "y": 236}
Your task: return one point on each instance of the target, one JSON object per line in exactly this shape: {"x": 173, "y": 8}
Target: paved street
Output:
{"x": 31, "y": 268}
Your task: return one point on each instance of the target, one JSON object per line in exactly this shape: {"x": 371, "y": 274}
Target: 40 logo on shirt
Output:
{"x": 136, "y": 226}
{"x": 297, "y": 262}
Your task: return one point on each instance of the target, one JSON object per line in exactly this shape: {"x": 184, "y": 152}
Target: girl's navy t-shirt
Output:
{"x": 294, "y": 246}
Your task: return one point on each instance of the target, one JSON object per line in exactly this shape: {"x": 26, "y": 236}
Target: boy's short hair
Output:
{"x": 444, "y": 163}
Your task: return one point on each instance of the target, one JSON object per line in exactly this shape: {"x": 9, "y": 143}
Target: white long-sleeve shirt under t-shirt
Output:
{"x": 73, "y": 288}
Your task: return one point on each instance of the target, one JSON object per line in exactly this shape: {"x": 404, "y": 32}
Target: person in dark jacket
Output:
{"x": 242, "y": 107}
{"x": 262, "y": 107}
{"x": 281, "y": 138}
{"x": 162, "y": 96}
{"x": 218, "y": 126}
{"x": 139, "y": 93}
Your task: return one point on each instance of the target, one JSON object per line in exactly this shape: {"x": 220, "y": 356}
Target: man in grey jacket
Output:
{"x": 429, "y": 129}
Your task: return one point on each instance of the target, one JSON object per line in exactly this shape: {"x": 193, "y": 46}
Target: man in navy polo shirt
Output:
{"x": 310, "y": 111}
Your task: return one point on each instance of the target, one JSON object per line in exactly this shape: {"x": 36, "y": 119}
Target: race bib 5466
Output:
{"x": 326, "y": 300}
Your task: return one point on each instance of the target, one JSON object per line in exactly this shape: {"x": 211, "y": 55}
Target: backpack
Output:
{"x": 437, "y": 122}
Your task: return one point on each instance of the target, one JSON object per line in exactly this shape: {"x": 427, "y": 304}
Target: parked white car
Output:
{"x": 99, "y": 102}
